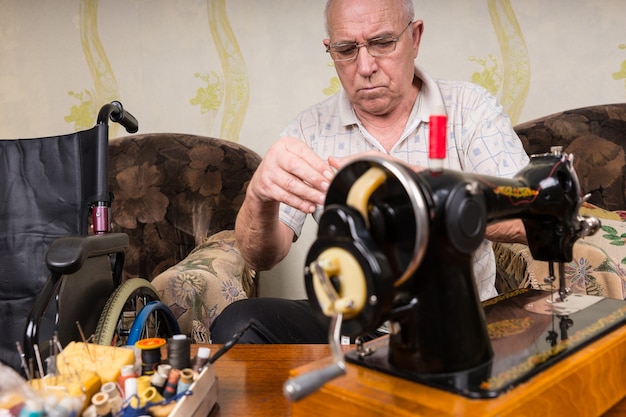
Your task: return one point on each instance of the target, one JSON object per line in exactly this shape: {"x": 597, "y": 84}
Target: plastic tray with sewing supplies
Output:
{"x": 90, "y": 380}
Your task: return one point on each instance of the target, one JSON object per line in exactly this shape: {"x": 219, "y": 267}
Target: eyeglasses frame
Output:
{"x": 366, "y": 44}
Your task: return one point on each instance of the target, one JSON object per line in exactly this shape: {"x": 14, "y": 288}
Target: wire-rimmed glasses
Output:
{"x": 379, "y": 46}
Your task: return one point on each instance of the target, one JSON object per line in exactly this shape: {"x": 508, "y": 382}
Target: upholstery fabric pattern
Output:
{"x": 177, "y": 197}
{"x": 198, "y": 288}
{"x": 598, "y": 265}
{"x": 171, "y": 192}
{"x": 596, "y": 136}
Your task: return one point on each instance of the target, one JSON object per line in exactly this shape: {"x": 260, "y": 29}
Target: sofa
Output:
{"x": 177, "y": 198}
{"x": 596, "y": 136}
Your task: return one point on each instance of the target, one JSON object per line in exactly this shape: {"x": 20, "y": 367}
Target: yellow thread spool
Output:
{"x": 143, "y": 383}
{"x": 149, "y": 395}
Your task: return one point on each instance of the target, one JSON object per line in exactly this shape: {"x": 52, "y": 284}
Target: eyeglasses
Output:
{"x": 380, "y": 46}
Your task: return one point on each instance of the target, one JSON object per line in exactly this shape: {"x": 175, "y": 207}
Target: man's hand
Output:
{"x": 293, "y": 174}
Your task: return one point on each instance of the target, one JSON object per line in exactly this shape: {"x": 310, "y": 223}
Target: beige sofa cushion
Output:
{"x": 199, "y": 287}
{"x": 598, "y": 265}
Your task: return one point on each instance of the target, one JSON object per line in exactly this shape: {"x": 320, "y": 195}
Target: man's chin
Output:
{"x": 372, "y": 101}
{"x": 374, "y": 107}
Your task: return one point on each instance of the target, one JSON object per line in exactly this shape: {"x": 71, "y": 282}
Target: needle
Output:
{"x": 84, "y": 339}
{"x": 39, "y": 363}
{"x": 23, "y": 359}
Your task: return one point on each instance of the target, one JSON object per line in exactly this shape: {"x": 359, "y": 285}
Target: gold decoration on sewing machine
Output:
{"x": 508, "y": 327}
{"x": 516, "y": 192}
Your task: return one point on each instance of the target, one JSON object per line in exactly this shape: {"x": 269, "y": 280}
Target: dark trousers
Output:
{"x": 274, "y": 320}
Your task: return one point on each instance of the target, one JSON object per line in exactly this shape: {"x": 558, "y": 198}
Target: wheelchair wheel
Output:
{"x": 122, "y": 310}
{"x": 144, "y": 322}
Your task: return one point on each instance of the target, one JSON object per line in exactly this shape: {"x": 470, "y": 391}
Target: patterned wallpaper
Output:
{"x": 621, "y": 73}
{"x": 228, "y": 89}
{"x": 215, "y": 86}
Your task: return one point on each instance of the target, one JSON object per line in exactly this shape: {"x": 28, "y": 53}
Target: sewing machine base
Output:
{"x": 527, "y": 337}
{"x": 589, "y": 381}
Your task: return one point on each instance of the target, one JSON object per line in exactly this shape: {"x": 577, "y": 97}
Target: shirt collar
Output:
{"x": 431, "y": 95}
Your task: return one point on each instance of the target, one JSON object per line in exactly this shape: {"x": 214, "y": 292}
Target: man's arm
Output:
{"x": 508, "y": 231}
{"x": 263, "y": 239}
{"x": 290, "y": 173}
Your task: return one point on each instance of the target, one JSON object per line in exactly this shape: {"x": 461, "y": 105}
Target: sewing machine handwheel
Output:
{"x": 375, "y": 225}
{"x": 396, "y": 212}
{"x": 359, "y": 272}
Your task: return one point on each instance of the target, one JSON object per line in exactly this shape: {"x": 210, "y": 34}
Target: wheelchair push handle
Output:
{"x": 115, "y": 111}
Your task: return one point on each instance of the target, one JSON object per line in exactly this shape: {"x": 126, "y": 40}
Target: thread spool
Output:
{"x": 100, "y": 401}
{"x": 150, "y": 354}
{"x": 159, "y": 378}
{"x": 143, "y": 383}
{"x": 172, "y": 384}
{"x": 179, "y": 351}
{"x": 201, "y": 359}
{"x": 185, "y": 381}
{"x": 437, "y": 126}
{"x": 32, "y": 408}
{"x": 127, "y": 371}
{"x": 110, "y": 389}
{"x": 150, "y": 395}
{"x": 130, "y": 388}
{"x": 67, "y": 407}
{"x": 115, "y": 399}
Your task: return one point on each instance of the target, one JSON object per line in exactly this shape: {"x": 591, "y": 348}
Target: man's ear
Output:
{"x": 418, "y": 30}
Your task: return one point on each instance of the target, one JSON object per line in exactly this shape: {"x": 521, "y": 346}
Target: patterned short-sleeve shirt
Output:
{"x": 480, "y": 139}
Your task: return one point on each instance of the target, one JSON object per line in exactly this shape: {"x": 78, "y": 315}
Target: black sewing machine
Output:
{"x": 395, "y": 247}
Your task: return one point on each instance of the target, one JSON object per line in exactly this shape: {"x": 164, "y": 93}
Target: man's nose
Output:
{"x": 366, "y": 63}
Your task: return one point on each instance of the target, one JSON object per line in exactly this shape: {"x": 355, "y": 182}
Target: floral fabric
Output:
{"x": 598, "y": 265}
{"x": 177, "y": 197}
{"x": 198, "y": 288}
{"x": 173, "y": 191}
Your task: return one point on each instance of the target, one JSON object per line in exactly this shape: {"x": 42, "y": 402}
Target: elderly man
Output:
{"x": 384, "y": 106}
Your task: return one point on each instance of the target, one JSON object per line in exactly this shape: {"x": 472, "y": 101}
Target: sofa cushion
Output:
{"x": 598, "y": 265}
{"x": 595, "y": 135}
{"x": 172, "y": 191}
{"x": 199, "y": 287}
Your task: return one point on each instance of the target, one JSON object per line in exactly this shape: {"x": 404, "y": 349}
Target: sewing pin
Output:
{"x": 23, "y": 359}
{"x": 84, "y": 339}
{"x": 39, "y": 363}
{"x": 51, "y": 360}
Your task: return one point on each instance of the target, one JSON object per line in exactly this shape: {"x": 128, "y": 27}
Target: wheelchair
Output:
{"x": 60, "y": 265}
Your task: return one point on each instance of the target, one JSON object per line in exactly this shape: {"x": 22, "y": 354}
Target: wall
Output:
{"x": 241, "y": 69}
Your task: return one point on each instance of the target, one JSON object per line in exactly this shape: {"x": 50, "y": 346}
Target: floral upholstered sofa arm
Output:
{"x": 598, "y": 265}
{"x": 200, "y": 286}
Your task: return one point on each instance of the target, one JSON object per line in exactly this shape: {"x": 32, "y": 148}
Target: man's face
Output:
{"x": 375, "y": 85}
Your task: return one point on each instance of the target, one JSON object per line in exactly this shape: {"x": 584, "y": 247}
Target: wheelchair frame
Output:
{"x": 68, "y": 255}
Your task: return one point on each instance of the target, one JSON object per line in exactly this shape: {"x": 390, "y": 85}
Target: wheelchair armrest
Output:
{"x": 67, "y": 255}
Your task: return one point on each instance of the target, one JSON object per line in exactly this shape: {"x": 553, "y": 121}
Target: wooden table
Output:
{"x": 251, "y": 378}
